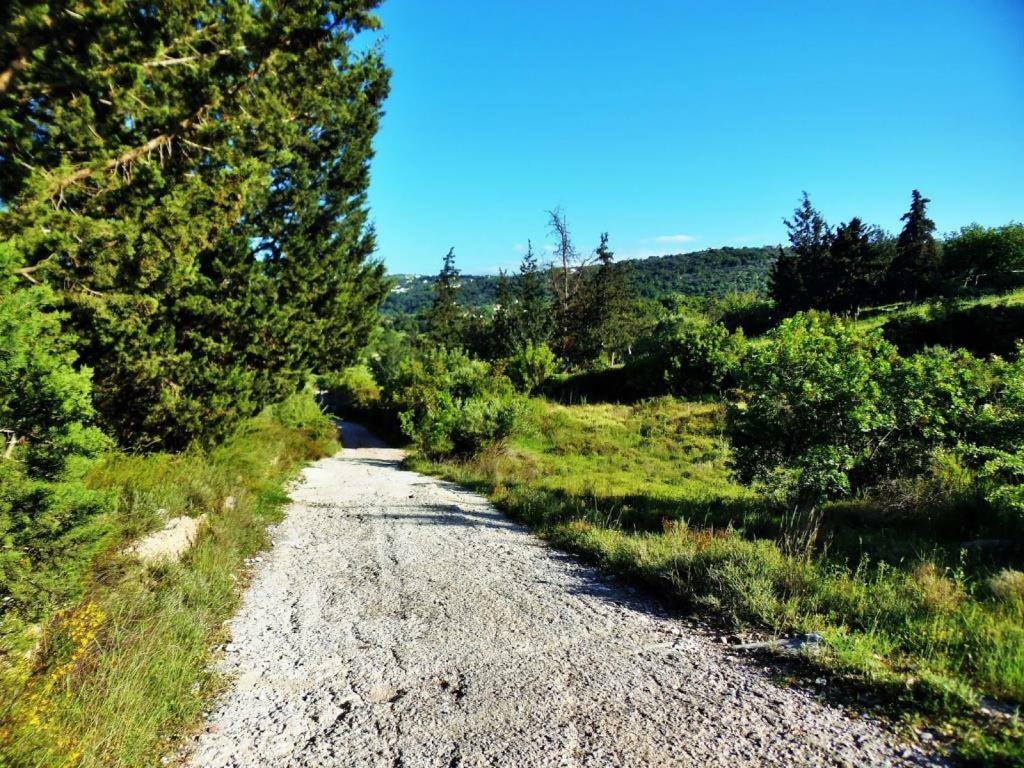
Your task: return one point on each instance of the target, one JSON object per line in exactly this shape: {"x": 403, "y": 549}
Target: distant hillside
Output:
{"x": 712, "y": 272}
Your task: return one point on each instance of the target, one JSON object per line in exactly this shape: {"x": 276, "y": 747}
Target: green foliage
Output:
{"x": 352, "y": 391}
{"x": 45, "y": 403}
{"x": 800, "y": 274}
{"x": 120, "y": 657}
{"x": 190, "y": 180}
{"x": 712, "y": 272}
{"x": 915, "y": 265}
{"x": 689, "y": 354}
{"x": 448, "y": 404}
{"x": 994, "y": 328}
{"x": 815, "y": 371}
{"x": 444, "y": 324}
{"x": 607, "y": 332}
{"x": 747, "y": 311}
{"x": 530, "y": 366}
{"x": 886, "y": 416}
{"x": 980, "y": 257}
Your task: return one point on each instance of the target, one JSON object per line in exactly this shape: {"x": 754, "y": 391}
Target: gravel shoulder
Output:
{"x": 399, "y": 620}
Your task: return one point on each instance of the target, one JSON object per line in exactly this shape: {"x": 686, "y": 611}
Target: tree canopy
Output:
{"x": 190, "y": 178}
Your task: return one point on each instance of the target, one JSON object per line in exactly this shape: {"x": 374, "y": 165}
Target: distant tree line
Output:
{"x": 855, "y": 265}
{"x": 713, "y": 272}
{"x": 583, "y": 307}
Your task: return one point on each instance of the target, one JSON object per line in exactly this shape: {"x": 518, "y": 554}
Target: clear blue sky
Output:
{"x": 679, "y": 125}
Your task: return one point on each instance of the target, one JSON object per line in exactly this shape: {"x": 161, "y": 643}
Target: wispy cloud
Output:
{"x": 672, "y": 239}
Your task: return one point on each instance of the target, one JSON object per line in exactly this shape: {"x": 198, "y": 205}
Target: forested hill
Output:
{"x": 711, "y": 272}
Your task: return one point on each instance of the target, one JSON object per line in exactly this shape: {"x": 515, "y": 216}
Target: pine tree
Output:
{"x": 916, "y": 263}
{"x": 443, "y": 322}
{"x": 801, "y": 278}
{"x": 785, "y": 282}
{"x": 533, "y": 324}
{"x": 854, "y": 270}
{"x": 569, "y": 285}
{"x": 504, "y": 326}
{"x": 190, "y": 179}
{"x": 609, "y": 298}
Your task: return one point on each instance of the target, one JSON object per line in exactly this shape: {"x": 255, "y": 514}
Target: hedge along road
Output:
{"x": 401, "y": 621}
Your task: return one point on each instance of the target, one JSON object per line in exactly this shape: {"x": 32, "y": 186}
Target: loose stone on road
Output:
{"x": 399, "y": 620}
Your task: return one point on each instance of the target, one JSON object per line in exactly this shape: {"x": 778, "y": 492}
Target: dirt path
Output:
{"x": 401, "y": 621}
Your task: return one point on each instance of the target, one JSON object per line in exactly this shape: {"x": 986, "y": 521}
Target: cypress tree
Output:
{"x": 190, "y": 178}
{"x": 443, "y": 322}
{"x": 916, "y": 263}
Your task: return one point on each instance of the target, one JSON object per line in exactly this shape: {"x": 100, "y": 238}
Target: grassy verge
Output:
{"x": 644, "y": 491}
{"x": 112, "y": 676}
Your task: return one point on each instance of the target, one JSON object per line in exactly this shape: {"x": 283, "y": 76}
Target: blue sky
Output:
{"x": 678, "y": 125}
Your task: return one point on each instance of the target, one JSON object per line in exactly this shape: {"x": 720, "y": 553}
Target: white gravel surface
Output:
{"x": 402, "y": 621}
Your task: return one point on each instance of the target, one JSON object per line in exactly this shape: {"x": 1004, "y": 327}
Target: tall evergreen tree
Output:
{"x": 534, "y": 303}
{"x": 444, "y": 318}
{"x": 504, "y": 326}
{"x": 785, "y": 282}
{"x": 610, "y": 298}
{"x": 568, "y": 280}
{"x": 917, "y": 259}
{"x": 190, "y": 178}
{"x": 856, "y": 266}
{"x": 801, "y": 278}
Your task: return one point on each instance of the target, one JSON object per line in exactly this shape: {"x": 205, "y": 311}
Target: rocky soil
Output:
{"x": 401, "y": 621}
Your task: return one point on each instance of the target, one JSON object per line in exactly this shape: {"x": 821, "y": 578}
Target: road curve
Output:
{"x": 402, "y": 621}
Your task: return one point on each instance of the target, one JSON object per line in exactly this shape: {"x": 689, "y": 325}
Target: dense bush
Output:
{"x": 449, "y": 404}
{"x": 985, "y": 257}
{"x": 531, "y": 365}
{"x": 748, "y": 311}
{"x": 812, "y": 407}
{"x": 827, "y": 409}
{"x": 352, "y": 391}
{"x": 689, "y": 355}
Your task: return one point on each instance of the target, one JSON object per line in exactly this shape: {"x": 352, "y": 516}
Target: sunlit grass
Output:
{"x": 644, "y": 491}
{"x": 118, "y": 677}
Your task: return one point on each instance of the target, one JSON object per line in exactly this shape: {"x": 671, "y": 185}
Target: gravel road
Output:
{"x": 401, "y": 621}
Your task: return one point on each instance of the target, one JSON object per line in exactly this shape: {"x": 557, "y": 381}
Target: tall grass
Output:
{"x": 116, "y": 676}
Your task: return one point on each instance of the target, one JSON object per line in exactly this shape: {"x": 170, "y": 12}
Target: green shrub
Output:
{"x": 352, "y": 391}
{"x": 748, "y": 311}
{"x": 690, "y": 355}
{"x": 982, "y": 329}
{"x": 813, "y": 407}
{"x": 45, "y": 402}
{"x": 531, "y": 365}
{"x": 451, "y": 405}
{"x": 301, "y": 412}
{"x": 827, "y": 409}
{"x": 985, "y": 257}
